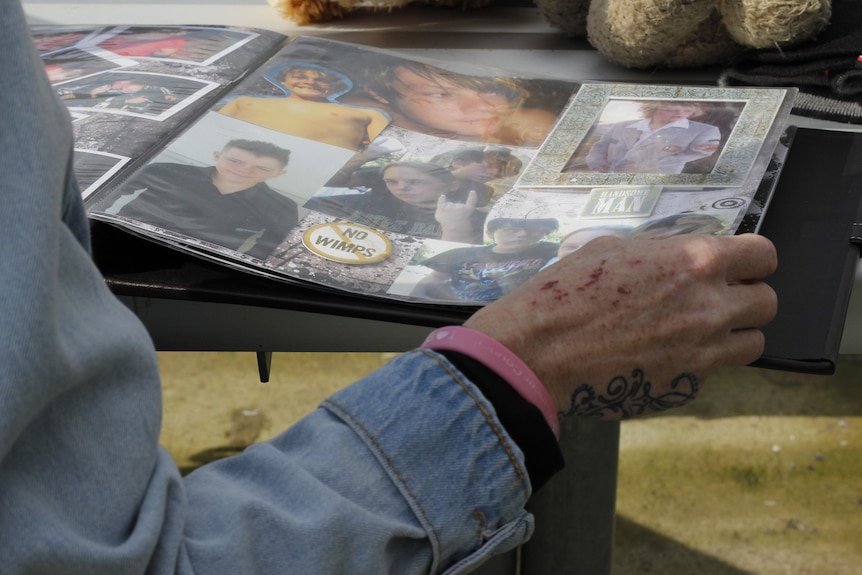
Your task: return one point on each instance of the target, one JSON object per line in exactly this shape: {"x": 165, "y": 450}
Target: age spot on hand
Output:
{"x": 595, "y": 276}
{"x": 558, "y": 295}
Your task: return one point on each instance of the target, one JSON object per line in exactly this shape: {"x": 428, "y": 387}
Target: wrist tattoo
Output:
{"x": 625, "y": 398}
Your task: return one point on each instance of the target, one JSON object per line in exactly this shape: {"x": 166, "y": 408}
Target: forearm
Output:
{"x": 691, "y": 154}
{"x": 597, "y": 157}
{"x": 470, "y": 483}
{"x": 705, "y": 144}
{"x": 359, "y": 486}
{"x": 435, "y": 287}
{"x": 231, "y": 108}
{"x": 461, "y": 232}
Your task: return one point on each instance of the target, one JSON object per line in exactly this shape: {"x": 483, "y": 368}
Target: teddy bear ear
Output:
{"x": 309, "y": 12}
{"x": 709, "y": 45}
{"x": 569, "y": 17}
{"x": 757, "y": 24}
{"x": 645, "y": 35}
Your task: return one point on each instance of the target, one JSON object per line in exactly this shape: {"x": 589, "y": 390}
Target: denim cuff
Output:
{"x": 523, "y": 420}
{"x": 441, "y": 442}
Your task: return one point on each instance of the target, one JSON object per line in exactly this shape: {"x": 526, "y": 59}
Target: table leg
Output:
{"x": 574, "y": 511}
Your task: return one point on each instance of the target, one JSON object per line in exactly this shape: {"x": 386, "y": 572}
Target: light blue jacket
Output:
{"x": 664, "y": 151}
{"x": 407, "y": 471}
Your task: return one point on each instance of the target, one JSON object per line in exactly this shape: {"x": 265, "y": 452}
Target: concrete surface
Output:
{"x": 761, "y": 475}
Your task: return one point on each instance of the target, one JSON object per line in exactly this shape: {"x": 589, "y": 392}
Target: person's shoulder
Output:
{"x": 703, "y": 126}
{"x": 536, "y": 114}
{"x": 362, "y": 108}
{"x": 168, "y": 168}
{"x": 353, "y": 200}
{"x": 278, "y": 196}
{"x": 457, "y": 255}
{"x": 360, "y": 102}
{"x": 169, "y": 176}
{"x": 549, "y": 247}
{"x": 638, "y": 124}
{"x": 250, "y": 101}
{"x": 542, "y": 250}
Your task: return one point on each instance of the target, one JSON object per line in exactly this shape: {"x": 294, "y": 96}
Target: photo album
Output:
{"x": 385, "y": 175}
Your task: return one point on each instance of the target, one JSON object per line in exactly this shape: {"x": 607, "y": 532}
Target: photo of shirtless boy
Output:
{"x": 310, "y": 109}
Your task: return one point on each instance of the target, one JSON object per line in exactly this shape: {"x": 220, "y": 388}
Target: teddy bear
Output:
{"x": 685, "y": 33}
{"x": 639, "y": 33}
{"x": 316, "y": 11}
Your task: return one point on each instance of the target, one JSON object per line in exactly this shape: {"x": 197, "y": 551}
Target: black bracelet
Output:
{"x": 523, "y": 421}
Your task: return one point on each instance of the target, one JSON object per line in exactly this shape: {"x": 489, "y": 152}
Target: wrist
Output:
{"x": 502, "y": 361}
{"x": 522, "y": 420}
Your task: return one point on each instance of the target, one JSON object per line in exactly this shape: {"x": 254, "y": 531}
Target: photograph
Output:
{"x": 351, "y": 263}
{"x": 482, "y": 105}
{"x": 621, "y": 134}
{"x": 235, "y": 186}
{"x": 93, "y": 168}
{"x": 656, "y": 137}
{"x": 140, "y": 94}
{"x": 475, "y": 108}
{"x": 51, "y": 39}
{"x": 73, "y": 63}
{"x": 515, "y": 249}
{"x": 415, "y": 184}
{"x": 184, "y": 44}
{"x": 309, "y": 107}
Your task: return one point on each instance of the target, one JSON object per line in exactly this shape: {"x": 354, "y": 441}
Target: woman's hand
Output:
{"x": 623, "y": 327}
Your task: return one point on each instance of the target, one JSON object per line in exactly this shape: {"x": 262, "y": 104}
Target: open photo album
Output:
{"x": 386, "y": 175}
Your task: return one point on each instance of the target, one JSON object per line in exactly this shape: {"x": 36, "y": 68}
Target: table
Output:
{"x": 575, "y": 511}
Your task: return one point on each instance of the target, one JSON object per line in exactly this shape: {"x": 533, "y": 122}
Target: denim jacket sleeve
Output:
{"x": 451, "y": 460}
{"x": 406, "y": 471}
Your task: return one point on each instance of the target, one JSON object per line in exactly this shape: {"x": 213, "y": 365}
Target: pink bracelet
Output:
{"x": 496, "y": 357}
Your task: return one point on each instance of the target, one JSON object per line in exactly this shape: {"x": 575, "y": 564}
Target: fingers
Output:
{"x": 472, "y": 198}
{"x": 756, "y": 305}
{"x": 753, "y": 304}
{"x": 744, "y": 346}
{"x": 470, "y": 202}
{"x": 748, "y": 257}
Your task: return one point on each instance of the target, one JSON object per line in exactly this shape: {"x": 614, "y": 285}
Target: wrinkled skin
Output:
{"x": 622, "y": 328}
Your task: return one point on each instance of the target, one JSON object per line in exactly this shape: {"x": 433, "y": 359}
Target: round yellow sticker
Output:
{"x": 347, "y": 243}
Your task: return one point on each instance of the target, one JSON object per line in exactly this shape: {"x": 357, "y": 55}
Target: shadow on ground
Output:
{"x": 744, "y": 391}
{"x": 643, "y": 551}
{"x": 762, "y": 474}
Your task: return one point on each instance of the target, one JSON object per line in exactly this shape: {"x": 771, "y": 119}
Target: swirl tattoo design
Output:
{"x": 626, "y": 398}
